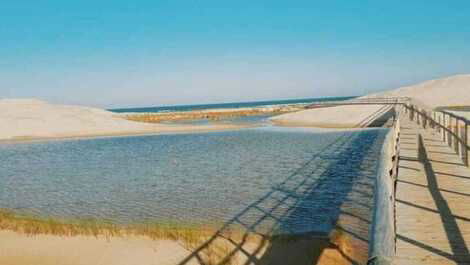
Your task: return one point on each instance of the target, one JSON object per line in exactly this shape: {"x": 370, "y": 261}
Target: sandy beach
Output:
{"x": 34, "y": 119}
{"x": 20, "y": 249}
{"x": 448, "y": 91}
{"x": 333, "y": 117}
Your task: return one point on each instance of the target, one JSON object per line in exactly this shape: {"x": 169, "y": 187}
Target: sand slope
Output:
{"x": 32, "y": 119}
{"x": 449, "y": 91}
{"x": 35, "y": 119}
{"x": 348, "y": 116}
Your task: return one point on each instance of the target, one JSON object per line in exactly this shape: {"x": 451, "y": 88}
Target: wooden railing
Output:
{"x": 453, "y": 128}
{"x": 382, "y": 239}
{"x": 454, "y": 131}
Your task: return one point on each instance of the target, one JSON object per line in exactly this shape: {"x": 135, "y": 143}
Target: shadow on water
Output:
{"x": 324, "y": 205}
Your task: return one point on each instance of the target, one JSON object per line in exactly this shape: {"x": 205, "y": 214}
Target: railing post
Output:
{"x": 439, "y": 124}
{"x": 465, "y": 144}
{"x": 449, "y": 132}
{"x": 443, "y": 126}
{"x": 425, "y": 119}
{"x": 418, "y": 116}
{"x": 456, "y": 137}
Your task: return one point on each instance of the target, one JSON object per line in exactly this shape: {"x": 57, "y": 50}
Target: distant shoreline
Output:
{"x": 230, "y": 105}
{"x": 31, "y": 119}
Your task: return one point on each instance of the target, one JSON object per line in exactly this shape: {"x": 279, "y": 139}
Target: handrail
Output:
{"x": 452, "y": 127}
{"x": 454, "y": 130}
{"x": 456, "y": 116}
{"x": 456, "y": 135}
{"x": 363, "y": 101}
{"x": 383, "y": 231}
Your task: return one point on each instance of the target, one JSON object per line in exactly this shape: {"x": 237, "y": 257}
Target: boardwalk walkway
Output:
{"x": 432, "y": 201}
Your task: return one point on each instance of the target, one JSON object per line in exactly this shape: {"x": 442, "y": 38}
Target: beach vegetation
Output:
{"x": 189, "y": 235}
{"x": 34, "y": 225}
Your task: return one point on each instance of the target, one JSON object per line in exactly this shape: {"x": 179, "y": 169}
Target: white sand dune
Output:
{"x": 348, "y": 116}
{"x": 35, "y": 119}
{"x": 449, "y": 91}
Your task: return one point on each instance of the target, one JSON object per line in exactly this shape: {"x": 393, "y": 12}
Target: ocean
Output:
{"x": 228, "y": 105}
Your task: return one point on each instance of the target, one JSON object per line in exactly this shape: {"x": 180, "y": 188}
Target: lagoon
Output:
{"x": 268, "y": 179}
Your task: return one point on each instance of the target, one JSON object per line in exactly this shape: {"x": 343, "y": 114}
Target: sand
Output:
{"x": 19, "y": 249}
{"x": 33, "y": 119}
{"x": 449, "y": 91}
{"x": 348, "y": 116}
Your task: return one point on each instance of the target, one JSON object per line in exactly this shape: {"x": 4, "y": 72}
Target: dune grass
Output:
{"x": 34, "y": 225}
{"x": 200, "y": 115}
{"x": 190, "y": 236}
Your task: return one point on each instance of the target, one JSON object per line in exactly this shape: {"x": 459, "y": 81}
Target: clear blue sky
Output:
{"x": 137, "y": 53}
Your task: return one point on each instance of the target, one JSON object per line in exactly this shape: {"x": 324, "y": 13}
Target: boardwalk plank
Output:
{"x": 432, "y": 201}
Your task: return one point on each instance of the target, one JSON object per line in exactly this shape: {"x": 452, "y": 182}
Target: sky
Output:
{"x": 151, "y": 53}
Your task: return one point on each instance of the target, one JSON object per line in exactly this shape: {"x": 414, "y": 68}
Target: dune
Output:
{"x": 448, "y": 91}
{"x": 34, "y": 119}
{"x": 347, "y": 116}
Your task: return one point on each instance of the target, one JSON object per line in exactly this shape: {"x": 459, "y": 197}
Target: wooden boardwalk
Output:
{"x": 432, "y": 200}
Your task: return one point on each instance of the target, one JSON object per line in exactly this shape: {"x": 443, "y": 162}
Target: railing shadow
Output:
{"x": 453, "y": 129}
{"x": 454, "y": 235}
{"x": 321, "y": 206}
{"x": 444, "y": 190}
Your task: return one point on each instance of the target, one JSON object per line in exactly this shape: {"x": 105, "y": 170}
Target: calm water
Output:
{"x": 228, "y": 105}
{"x": 272, "y": 179}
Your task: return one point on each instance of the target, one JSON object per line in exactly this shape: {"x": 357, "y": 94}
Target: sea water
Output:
{"x": 233, "y": 105}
